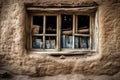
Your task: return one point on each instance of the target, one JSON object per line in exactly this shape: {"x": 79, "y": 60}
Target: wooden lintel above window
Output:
{"x": 78, "y": 9}
{"x": 60, "y": 4}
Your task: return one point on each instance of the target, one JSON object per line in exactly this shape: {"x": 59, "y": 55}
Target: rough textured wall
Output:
{"x": 15, "y": 57}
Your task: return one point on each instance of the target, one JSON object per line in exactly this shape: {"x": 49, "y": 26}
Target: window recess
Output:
{"x": 69, "y": 29}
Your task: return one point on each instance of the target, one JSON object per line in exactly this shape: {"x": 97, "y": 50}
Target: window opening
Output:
{"x": 38, "y": 20}
{"x": 82, "y": 37}
{"x": 51, "y": 22}
{"x": 37, "y": 42}
{"x": 74, "y": 31}
{"x": 67, "y": 30}
{"x": 44, "y": 32}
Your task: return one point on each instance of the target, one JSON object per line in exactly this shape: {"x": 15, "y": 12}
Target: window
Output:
{"x": 62, "y": 31}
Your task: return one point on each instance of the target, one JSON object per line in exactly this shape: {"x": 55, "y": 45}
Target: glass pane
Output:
{"x": 67, "y": 31}
{"x": 67, "y": 22}
{"x": 50, "y": 42}
{"x": 83, "y": 24}
{"x": 81, "y": 42}
{"x": 37, "y": 27}
{"x": 37, "y": 42}
{"x": 51, "y": 24}
{"x": 67, "y": 41}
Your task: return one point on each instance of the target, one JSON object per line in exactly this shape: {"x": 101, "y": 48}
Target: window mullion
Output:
{"x": 74, "y": 20}
{"x": 31, "y": 32}
{"x": 44, "y": 28}
{"x": 59, "y": 32}
{"x": 91, "y": 33}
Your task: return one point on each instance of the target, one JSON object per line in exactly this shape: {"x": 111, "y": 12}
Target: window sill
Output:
{"x": 63, "y": 52}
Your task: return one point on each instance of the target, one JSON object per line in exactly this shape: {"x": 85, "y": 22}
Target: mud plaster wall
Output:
{"x": 15, "y": 57}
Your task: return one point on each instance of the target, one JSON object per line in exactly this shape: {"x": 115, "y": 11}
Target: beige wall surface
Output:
{"x": 15, "y": 57}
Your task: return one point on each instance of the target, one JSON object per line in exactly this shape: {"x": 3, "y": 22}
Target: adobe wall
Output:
{"x": 15, "y": 57}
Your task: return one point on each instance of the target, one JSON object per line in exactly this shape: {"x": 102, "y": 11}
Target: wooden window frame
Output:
{"x": 48, "y": 11}
{"x": 44, "y": 32}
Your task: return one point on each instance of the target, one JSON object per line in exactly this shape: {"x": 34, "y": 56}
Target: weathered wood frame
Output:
{"x": 44, "y": 32}
{"x": 74, "y": 11}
